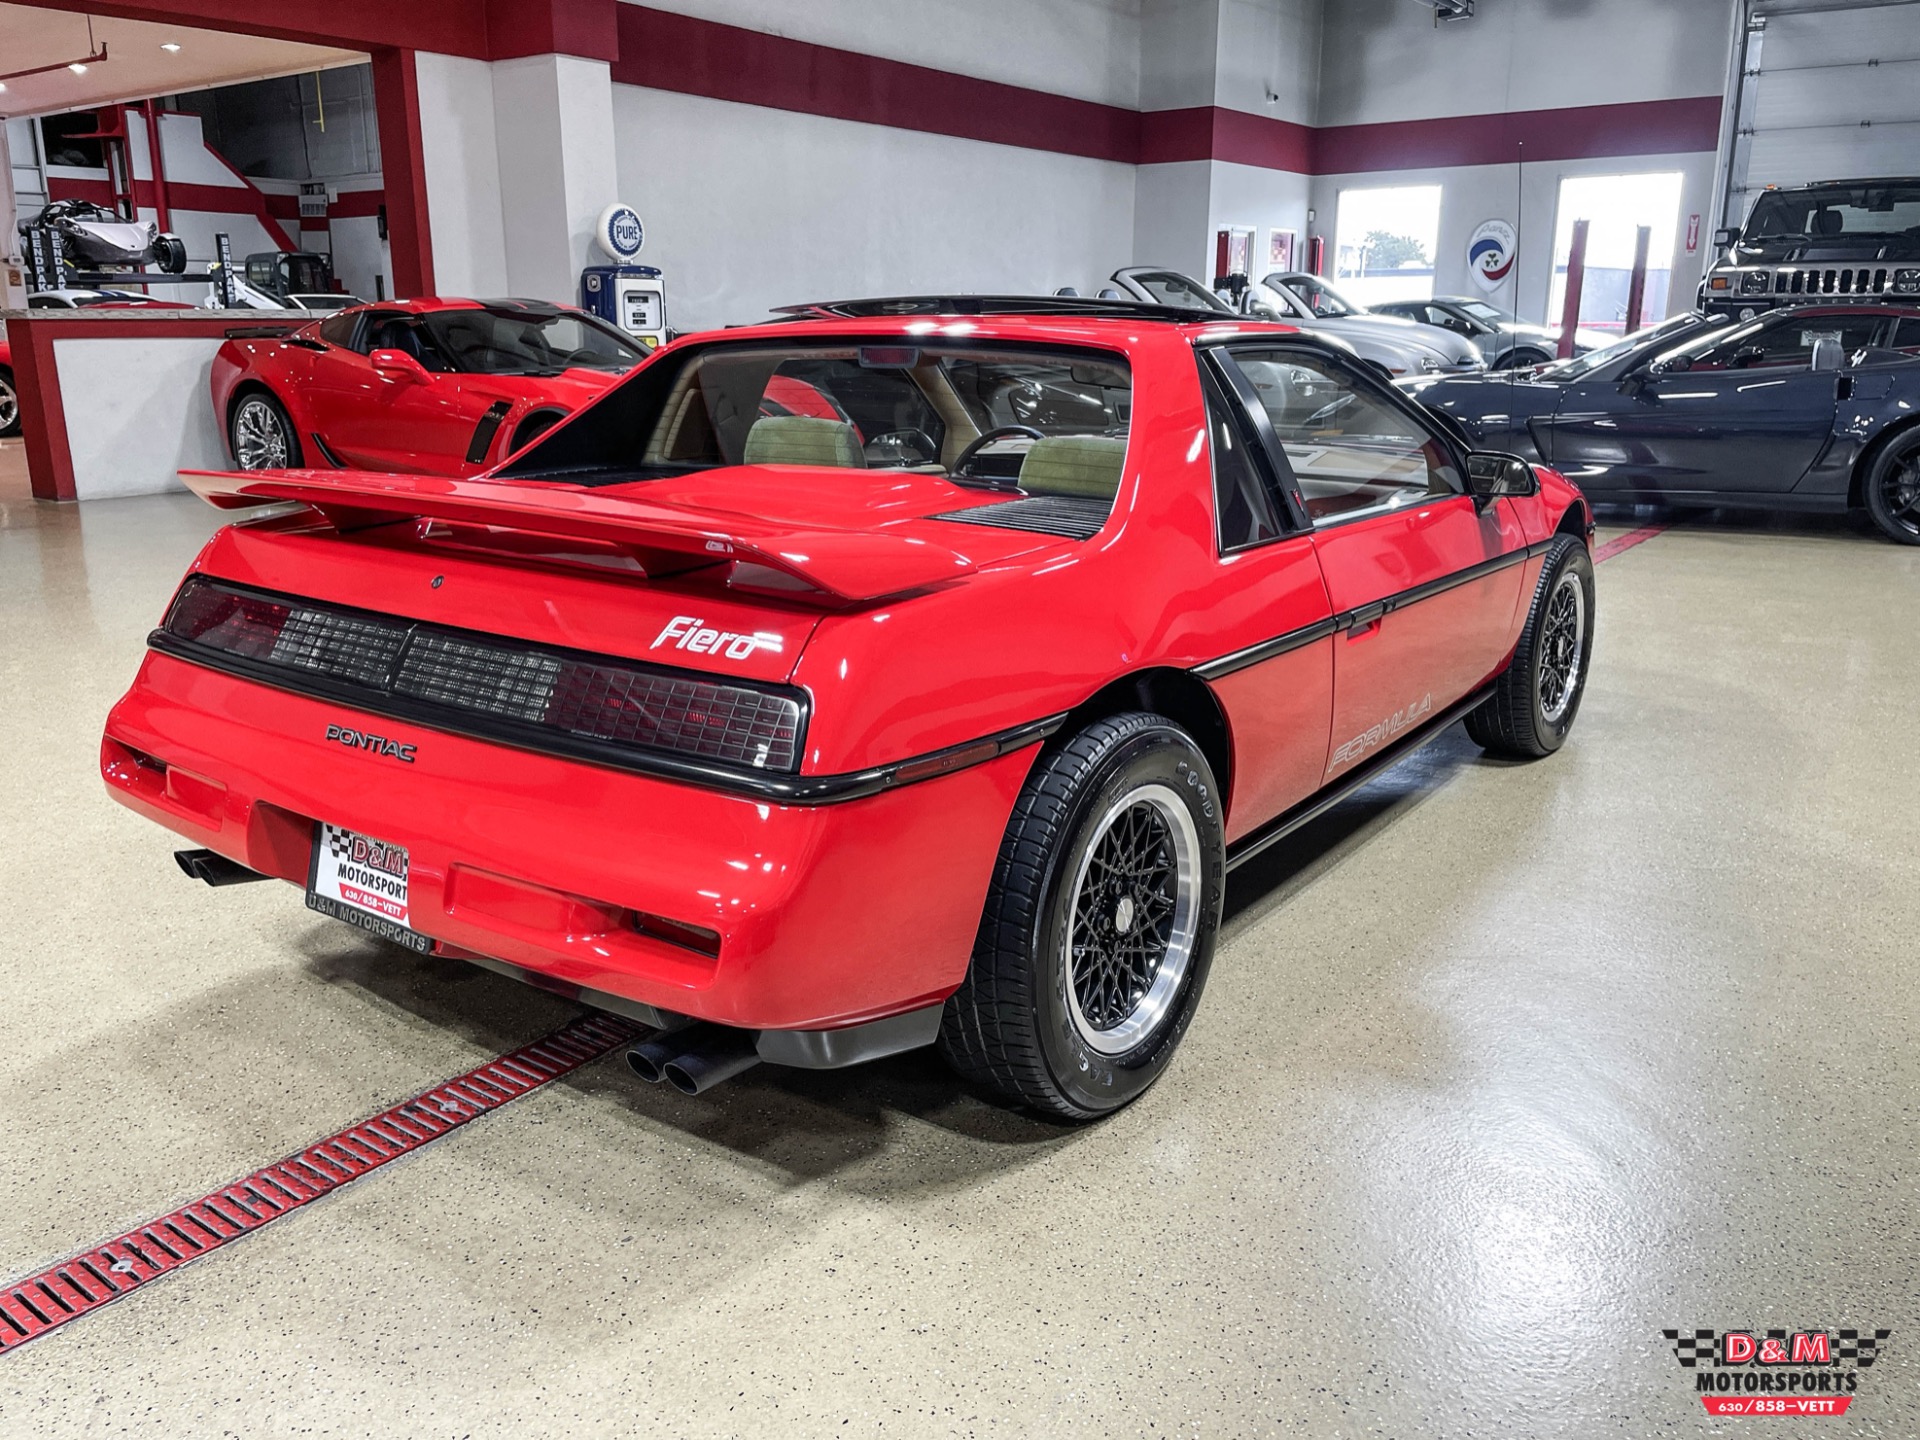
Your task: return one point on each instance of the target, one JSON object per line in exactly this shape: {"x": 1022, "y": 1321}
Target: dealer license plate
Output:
{"x": 363, "y": 881}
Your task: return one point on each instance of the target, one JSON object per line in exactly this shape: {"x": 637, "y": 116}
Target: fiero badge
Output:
{"x": 372, "y": 744}
{"x": 693, "y": 635}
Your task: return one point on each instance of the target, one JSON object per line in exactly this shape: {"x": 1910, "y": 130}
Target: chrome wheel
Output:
{"x": 260, "y": 438}
{"x": 1900, "y": 492}
{"x": 9, "y": 406}
{"x": 1563, "y": 641}
{"x": 1133, "y": 918}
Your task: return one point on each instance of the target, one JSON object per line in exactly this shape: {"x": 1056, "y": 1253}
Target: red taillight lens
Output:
{"x": 695, "y": 717}
{"x": 244, "y": 624}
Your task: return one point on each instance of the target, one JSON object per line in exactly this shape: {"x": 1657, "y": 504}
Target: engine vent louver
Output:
{"x": 1071, "y": 517}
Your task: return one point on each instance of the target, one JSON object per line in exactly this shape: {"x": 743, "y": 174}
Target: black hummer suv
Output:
{"x": 1832, "y": 242}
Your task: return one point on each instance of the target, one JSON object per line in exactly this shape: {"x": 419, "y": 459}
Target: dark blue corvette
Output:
{"x": 1815, "y": 408}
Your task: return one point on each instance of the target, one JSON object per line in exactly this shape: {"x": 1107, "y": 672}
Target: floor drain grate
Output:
{"x": 84, "y": 1282}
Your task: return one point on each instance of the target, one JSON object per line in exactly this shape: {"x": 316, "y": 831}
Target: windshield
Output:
{"x": 1038, "y": 421}
{"x": 490, "y": 342}
{"x": 1264, "y": 300}
{"x": 1652, "y": 337}
{"x": 1170, "y": 288}
{"x": 1480, "y": 310}
{"x": 1829, "y": 211}
{"x": 1318, "y": 296}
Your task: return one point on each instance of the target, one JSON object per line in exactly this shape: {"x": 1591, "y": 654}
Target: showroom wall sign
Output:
{"x": 1776, "y": 1372}
{"x": 1491, "y": 252}
{"x": 620, "y": 233}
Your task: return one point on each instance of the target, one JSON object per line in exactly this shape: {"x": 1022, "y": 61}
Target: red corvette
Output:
{"x": 910, "y": 675}
{"x": 436, "y": 387}
{"x": 9, "y": 395}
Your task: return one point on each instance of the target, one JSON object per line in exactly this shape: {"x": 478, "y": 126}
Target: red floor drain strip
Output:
{"x": 1619, "y": 543}
{"x": 97, "y": 1277}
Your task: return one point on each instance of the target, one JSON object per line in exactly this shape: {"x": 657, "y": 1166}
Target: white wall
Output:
{"x": 462, "y": 162}
{"x": 1387, "y": 60}
{"x": 159, "y": 422}
{"x": 748, "y": 208}
{"x": 1089, "y": 49}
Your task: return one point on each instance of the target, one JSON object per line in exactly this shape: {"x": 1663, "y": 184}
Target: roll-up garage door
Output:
{"x": 1829, "y": 91}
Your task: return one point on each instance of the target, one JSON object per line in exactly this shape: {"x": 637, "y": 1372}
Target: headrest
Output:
{"x": 1827, "y": 222}
{"x": 1074, "y": 465}
{"x": 803, "y": 440}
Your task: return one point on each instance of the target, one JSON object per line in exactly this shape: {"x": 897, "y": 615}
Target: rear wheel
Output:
{"x": 261, "y": 435}
{"x": 170, "y": 254}
{"x": 1521, "y": 358}
{"x": 9, "y": 404}
{"x": 1100, "y": 925}
{"x": 1893, "y": 490}
{"x": 1534, "y": 704}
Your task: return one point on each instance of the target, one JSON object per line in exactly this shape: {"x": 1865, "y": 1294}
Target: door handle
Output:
{"x": 1365, "y": 620}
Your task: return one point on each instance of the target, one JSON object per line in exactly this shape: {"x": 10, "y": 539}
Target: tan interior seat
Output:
{"x": 803, "y": 440}
{"x": 1075, "y": 465}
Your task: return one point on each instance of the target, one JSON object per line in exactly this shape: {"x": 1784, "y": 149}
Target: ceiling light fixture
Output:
{"x": 78, "y": 67}
{"x": 170, "y": 47}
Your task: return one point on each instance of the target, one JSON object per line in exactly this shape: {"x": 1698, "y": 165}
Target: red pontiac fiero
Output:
{"x": 433, "y": 387}
{"x": 935, "y": 714}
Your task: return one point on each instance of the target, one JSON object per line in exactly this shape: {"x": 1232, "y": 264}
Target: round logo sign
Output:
{"x": 1491, "y": 253}
{"x": 620, "y": 232}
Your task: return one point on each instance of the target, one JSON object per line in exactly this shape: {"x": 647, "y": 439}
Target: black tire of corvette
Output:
{"x": 1007, "y": 1030}
{"x": 1904, "y": 450}
{"x": 1512, "y": 722}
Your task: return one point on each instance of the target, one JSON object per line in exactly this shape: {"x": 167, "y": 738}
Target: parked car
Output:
{"x": 1396, "y": 349}
{"x": 100, "y": 300}
{"x": 9, "y": 395}
{"x": 1299, "y": 298}
{"x": 443, "y": 387}
{"x": 1829, "y": 243}
{"x": 696, "y": 708}
{"x": 1507, "y": 342}
{"x": 1808, "y": 408}
{"x": 92, "y": 237}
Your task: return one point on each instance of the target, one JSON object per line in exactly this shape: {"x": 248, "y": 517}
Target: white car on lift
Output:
{"x": 1398, "y": 349}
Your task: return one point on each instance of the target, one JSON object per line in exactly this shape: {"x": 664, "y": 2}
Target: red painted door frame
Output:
{"x": 396, "y": 104}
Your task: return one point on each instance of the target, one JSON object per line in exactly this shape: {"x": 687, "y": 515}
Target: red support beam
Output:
{"x": 396, "y": 103}
{"x": 1576, "y": 282}
{"x": 1637, "y": 287}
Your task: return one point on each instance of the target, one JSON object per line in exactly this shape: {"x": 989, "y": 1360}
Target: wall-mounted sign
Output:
{"x": 620, "y": 233}
{"x": 1491, "y": 253}
{"x": 1693, "y": 234}
{"x": 1280, "y": 249}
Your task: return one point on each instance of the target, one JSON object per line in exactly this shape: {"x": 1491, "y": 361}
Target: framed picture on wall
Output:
{"x": 1280, "y": 244}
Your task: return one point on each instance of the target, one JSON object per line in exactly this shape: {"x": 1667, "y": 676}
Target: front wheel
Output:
{"x": 1100, "y": 925}
{"x": 1534, "y": 704}
{"x": 1893, "y": 490}
{"x": 9, "y": 404}
{"x": 261, "y": 434}
{"x": 170, "y": 254}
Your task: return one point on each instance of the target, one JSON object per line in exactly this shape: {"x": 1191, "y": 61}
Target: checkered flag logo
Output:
{"x": 338, "y": 842}
{"x": 1690, "y": 1347}
{"x": 1863, "y": 1350}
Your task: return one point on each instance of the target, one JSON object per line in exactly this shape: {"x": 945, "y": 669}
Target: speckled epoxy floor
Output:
{"x": 1502, "y": 1070}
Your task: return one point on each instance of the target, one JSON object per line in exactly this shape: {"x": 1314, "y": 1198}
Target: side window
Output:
{"x": 1352, "y": 453}
{"x": 1243, "y": 511}
{"x": 1906, "y": 335}
{"x": 1791, "y": 343}
{"x": 338, "y": 329}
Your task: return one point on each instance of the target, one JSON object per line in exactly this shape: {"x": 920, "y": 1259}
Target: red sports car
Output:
{"x": 436, "y": 387}
{"x": 935, "y": 713}
{"x": 9, "y": 393}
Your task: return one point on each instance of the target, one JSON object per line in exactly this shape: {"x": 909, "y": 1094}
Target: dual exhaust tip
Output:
{"x": 695, "y": 1059}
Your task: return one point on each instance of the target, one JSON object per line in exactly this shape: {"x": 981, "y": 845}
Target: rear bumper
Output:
{"x": 827, "y": 915}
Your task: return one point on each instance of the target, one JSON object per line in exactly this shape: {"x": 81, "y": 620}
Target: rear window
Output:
{"x": 1035, "y": 421}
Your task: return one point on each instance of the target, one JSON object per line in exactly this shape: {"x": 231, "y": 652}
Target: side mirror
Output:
{"x": 1828, "y": 355}
{"x": 399, "y": 366}
{"x": 1723, "y": 238}
{"x": 1491, "y": 475}
{"x": 1677, "y": 365}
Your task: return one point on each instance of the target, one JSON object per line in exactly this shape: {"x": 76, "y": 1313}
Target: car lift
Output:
{"x": 46, "y": 270}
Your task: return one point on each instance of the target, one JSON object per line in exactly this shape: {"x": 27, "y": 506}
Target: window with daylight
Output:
{"x": 1615, "y": 207}
{"x": 1385, "y": 242}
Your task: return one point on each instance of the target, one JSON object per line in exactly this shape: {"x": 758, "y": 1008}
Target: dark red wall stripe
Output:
{"x": 663, "y": 51}
{"x": 1580, "y": 132}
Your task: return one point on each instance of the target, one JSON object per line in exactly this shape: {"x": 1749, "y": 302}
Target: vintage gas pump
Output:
{"x": 630, "y": 296}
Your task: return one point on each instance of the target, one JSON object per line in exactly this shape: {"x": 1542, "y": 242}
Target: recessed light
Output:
{"x": 170, "y": 47}
{"x": 77, "y": 68}
{"x": 3, "y": 87}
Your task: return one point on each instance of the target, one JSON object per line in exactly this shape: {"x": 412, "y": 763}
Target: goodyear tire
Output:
{"x": 1100, "y": 924}
{"x": 1534, "y": 704}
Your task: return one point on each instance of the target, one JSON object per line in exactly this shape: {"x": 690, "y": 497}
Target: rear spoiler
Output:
{"x": 854, "y": 565}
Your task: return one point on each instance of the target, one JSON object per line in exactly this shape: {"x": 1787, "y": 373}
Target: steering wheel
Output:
{"x": 965, "y": 457}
